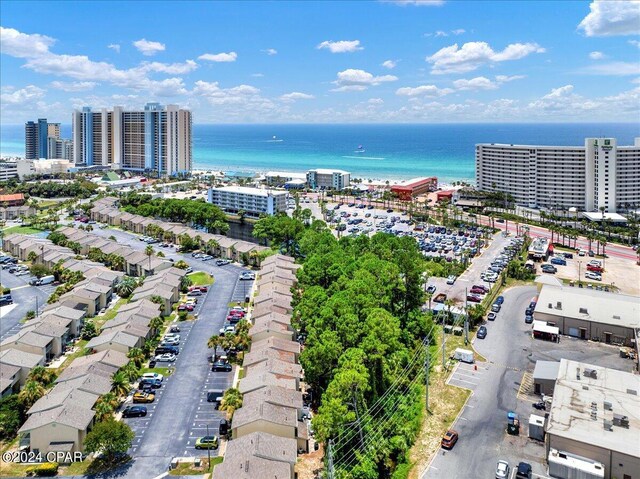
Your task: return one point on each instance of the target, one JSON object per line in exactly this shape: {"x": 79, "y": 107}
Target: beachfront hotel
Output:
{"x": 325, "y": 179}
{"x": 42, "y": 141}
{"x": 253, "y": 201}
{"x": 599, "y": 174}
{"x": 156, "y": 139}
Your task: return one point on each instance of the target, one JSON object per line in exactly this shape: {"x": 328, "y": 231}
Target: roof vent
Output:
{"x": 608, "y": 425}
{"x": 633, "y": 392}
{"x": 621, "y": 421}
{"x": 550, "y": 305}
{"x": 584, "y": 311}
{"x": 615, "y": 316}
{"x": 608, "y": 406}
{"x": 558, "y": 305}
{"x": 590, "y": 373}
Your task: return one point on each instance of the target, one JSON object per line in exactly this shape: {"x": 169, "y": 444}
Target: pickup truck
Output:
{"x": 440, "y": 298}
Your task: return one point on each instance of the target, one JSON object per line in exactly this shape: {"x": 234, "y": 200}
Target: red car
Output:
{"x": 202, "y": 289}
{"x": 484, "y": 289}
{"x": 474, "y": 298}
{"x": 476, "y": 290}
{"x": 449, "y": 439}
{"x": 185, "y": 307}
{"x": 235, "y": 312}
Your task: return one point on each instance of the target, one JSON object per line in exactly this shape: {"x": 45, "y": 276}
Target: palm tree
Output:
{"x": 126, "y": 287}
{"x": 42, "y": 375}
{"x": 156, "y": 323}
{"x": 117, "y": 262}
{"x": 137, "y": 356}
{"x": 32, "y": 257}
{"x": 149, "y": 252}
{"x": 212, "y": 247}
{"x": 130, "y": 371}
{"x": 103, "y": 409}
{"x": 119, "y": 384}
{"x": 31, "y": 392}
{"x": 231, "y": 401}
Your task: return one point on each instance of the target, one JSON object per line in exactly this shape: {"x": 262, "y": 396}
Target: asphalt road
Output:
{"x": 498, "y": 388}
{"x": 181, "y": 413}
{"x": 25, "y": 298}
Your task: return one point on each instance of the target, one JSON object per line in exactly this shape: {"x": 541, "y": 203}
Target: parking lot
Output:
{"x": 502, "y": 384}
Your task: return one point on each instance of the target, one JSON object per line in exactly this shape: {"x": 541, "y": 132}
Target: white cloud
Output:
{"x": 609, "y": 18}
{"x": 296, "y": 95}
{"x": 148, "y": 48}
{"x": 23, "y": 45}
{"x": 270, "y": 51}
{"x": 358, "y": 80}
{"x": 170, "y": 68}
{"x": 26, "y": 94}
{"x": 478, "y": 83}
{"x": 219, "y": 57}
{"x": 440, "y": 33}
{"x": 375, "y": 101}
{"x": 257, "y": 75}
{"x": 613, "y": 69}
{"x": 505, "y": 78}
{"x": 458, "y": 31}
{"x": 73, "y": 86}
{"x": 423, "y": 90}
{"x": 417, "y": 3}
{"x": 342, "y": 46}
{"x": 597, "y": 55}
{"x": 115, "y": 47}
{"x": 390, "y": 64}
{"x": 635, "y": 43}
{"x": 558, "y": 92}
{"x": 472, "y": 55}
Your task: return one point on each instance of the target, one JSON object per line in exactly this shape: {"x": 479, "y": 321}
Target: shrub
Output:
{"x": 46, "y": 469}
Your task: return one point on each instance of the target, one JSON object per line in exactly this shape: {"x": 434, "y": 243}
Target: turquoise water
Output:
{"x": 390, "y": 151}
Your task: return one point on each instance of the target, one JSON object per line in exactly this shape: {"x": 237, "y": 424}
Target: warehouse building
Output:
{"x": 595, "y": 419}
{"x": 590, "y": 314}
{"x": 409, "y": 189}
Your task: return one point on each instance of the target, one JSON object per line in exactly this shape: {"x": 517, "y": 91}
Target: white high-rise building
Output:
{"x": 326, "y": 179}
{"x": 253, "y": 201}
{"x": 156, "y": 139}
{"x": 600, "y": 174}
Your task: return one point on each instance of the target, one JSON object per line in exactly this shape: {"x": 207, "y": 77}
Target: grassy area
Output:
{"x": 164, "y": 371}
{"x": 46, "y": 204}
{"x": 109, "y": 315}
{"x": 445, "y": 402}
{"x": 91, "y": 466}
{"x": 12, "y": 469}
{"x": 201, "y": 278}
{"x": 188, "y": 469}
{"x": 80, "y": 352}
{"x": 25, "y": 230}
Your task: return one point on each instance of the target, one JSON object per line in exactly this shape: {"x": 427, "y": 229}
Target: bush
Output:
{"x": 6, "y": 290}
{"x": 46, "y": 469}
{"x": 10, "y": 416}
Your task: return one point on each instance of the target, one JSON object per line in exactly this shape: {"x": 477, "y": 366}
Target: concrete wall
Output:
{"x": 42, "y": 436}
{"x": 544, "y": 386}
{"x": 591, "y": 330}
{"x": 264, "y": 426}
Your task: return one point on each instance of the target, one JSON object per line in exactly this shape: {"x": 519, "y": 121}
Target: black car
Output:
{"x": 431, "y": 289}
{"x": 134, "y": 411}
{"x": 221, "y": 366}
{"x": 152, "y": 383}
{"x": 167, "y": 349}
{"x": 482, "y": 332}
{"x": 224, "y": 427}
{"x": 174, "y": 329}
{"x": 523, "y": 471}
{"x": 528, "y": 318}
{"x": 215, "y": 396}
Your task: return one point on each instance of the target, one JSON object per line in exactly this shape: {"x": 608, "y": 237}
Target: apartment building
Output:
{"x": 599, "y": 174}
{"x": 155, "y": 139}
{"x": 325, "y": 179}
{"x": 253, "y": 201}
{"x": 35, "y": 138}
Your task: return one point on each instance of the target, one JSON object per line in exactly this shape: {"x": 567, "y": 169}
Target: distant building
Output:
{"x": 156, "y": 139}
{"x": 281, "y": 178}
{"x": 253, "y": 201}
{"x": 325, "y": 179}
{"x": 59, "y": 148}
{"x": 599, "y": 174}
{"x": 407, "y": 190}
{"x": 8, "y": 170}
{"x": 40, "y": 139}
{"x": 594, "y": 421}
{"x": 589, "y": 314}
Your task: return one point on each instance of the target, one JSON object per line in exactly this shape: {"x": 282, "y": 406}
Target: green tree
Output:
{"x": 89, "y": 330}
{"x": 180, "y": 264}
{"x": 39, "y": 270}
{"x": 30, "y": 393}
{"x": 42, "y": 375}
{"x": 231, "y": 400}
{"x": 119, "y": 384}
{"x": 111, "y": 437}
{"x": 126, "y": 287}
{"x": 32, "y": 256}
{"x": 103, "y": 409}
{"x": 137, "y": 356}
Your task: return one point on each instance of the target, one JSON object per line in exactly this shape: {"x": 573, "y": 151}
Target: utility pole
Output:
{"x": 208, "y": 450}
{"x": 443, "y": 346}
{"x": 355, "y": 407}
{"x": 330, "y": 470}
{"x": 426, "y": 376}
{"x": 466, "y": 318}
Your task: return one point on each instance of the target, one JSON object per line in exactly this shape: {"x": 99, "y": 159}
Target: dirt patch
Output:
{"x": 311, "y": 465}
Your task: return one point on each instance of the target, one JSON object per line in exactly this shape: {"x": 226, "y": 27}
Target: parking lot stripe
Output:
{"x": 463, "y": 381}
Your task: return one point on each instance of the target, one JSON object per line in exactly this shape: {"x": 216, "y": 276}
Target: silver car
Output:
{"x": 502, "y": 470}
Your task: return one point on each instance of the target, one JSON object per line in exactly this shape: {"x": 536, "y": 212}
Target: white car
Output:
{"x": 153, "y": 376}
{"x": 239, "y": 308}
{"x": 166, "y": 358}
{"x": 502, "y": 470}
{"x": 171, "y": 337}
{"x": 593, "y": 275}
{"x": 21, "y": 273}
{"x": 247, "y": 276}
{"x": 227, "y": 329}
{"x": 451, "y": 279}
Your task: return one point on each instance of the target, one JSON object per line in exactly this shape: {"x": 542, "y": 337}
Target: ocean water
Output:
{"x": 390, "y": 151}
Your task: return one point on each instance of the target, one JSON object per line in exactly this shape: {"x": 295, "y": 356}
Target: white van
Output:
{"x": 46, "y": 280}
{"x": 463, "y": 355}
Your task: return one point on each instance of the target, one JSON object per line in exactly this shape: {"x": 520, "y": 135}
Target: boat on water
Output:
{"x": 275, "y": 139}
{"x": 360, "y": 149}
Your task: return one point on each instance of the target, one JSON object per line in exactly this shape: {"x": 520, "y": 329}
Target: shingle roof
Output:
{"x": 72, "y": 416}
{"x": 277, "y": 367}
{"x": 117, "y": 337}
{"x": 257, "y": 381}
{"x": 93, "y": 383}
{"x": 275, "y": 395}
{"x": 254, "y": 357}
{"x": 19, "y": 358}
{"x": 281, "y": 415}
{"x": 61, "y": 396}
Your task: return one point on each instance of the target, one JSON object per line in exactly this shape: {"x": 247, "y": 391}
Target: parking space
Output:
{"x": 242, "y": 290}
{"x": 467, "y": 376}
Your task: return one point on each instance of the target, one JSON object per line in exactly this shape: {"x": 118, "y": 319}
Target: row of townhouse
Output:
{"x": 105, "y": 211}
{"x": 268, "y": 430}
{"x": 136, "y": 263}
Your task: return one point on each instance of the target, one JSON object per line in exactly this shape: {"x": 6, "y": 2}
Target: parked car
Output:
{"x": 222, "y": 262}
{"x": 548, "y": 268}
{"x": 502, "y": 470}
{"x": 451, "y": 279}
{"x": 186, "y": 307}
{"x": 500, "y": 300}
{"x": 559, "y": 261}
{"x": 495, "y": 307}
{"x": 207, "y": 442}
{"x": 221, "y": 366}
{"x": 189, "y": 270}
{"x": 491, "y": 316}
{"x": 449, "y": 439}
{"x": 523, "y": 471}
{"x": 474, "y": 298}
{"x": 227, "y": 330}
{"x": 174, "y": 329}
{"x": 431, "y": 288}
{"x": 150, "y": 384}
{"x": 482, "y": 332}
{"x": 224, "y": 428}
{"x": 194, "y": 292}
{"x": 247, "y": 276}
{"x": 167, "y": 349}
{"x": 484, "y": 289}
{"x": 528, "y": 318}
{"x": 143, "y": 397}
{"x": 134, "y": 411}
{"x": 475, "y": 290}
{"x": 593, "y": 275}
{"x": 157, "y": 376}
{"x": 166, "y": 358}
{"x": 215, "y": 396}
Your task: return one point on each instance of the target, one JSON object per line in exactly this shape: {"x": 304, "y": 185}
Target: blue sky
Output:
{"x": 364, "y": 61}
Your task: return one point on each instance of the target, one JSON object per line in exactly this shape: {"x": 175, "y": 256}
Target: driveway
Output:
{"x": 25, "y": 298}
{"x": 500, "y": 385}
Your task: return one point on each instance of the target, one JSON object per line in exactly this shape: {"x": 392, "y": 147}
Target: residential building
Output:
{"x": 253, "y": 201}
{"x": 154, "y": 140}
{"x": 8, "y": 170}
{"x": 281, "y": 178}
{"x": 59, "y": 148}
{"x": 409, "y": 189}
{"x": 599, "y": 174}
{"x": 589, "y": 314}
{"x": 325, "y": 179}
{"x": 40, "y": 140}
{"x": 595, "y": 418}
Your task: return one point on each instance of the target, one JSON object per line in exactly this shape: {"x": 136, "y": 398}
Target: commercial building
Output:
{"x": 589, "y": 314}
{"x": 253, "y": 201}
{"x": 156, "y": 139}
{"x": 595, "y": 418}
{"x": 409, "y": 189}
{"x": 324, "y": 179}
{"x": 280, "y": 178}
{"x": 540, "y": 248}
{"x": 599, "y": 174}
